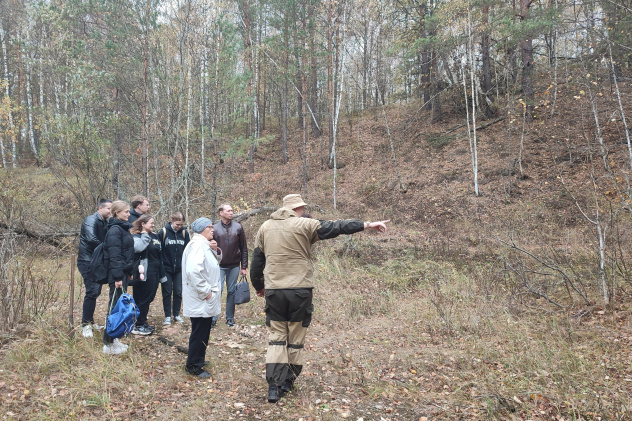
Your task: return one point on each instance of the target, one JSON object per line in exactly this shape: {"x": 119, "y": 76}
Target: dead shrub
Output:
{"x": 24, "y": 295}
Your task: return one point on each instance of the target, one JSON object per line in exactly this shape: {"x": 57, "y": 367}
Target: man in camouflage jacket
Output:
{"x": 282, "y": 271}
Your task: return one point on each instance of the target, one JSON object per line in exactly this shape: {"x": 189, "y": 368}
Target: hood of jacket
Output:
{"x": 283, "y": 213}
{"x": 123, "y": 224}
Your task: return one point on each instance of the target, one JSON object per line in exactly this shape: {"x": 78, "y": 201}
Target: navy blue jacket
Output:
{"x": 173, "y": 244}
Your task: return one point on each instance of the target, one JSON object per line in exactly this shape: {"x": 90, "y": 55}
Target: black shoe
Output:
{"x": 273, "y": 394}
{"x": 201, "y": 374}
{"x": 286, "y": 387}
{"x": 230, "y": 323}
{"x": 142, "y": 330}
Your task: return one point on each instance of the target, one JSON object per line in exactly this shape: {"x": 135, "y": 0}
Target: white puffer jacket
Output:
{"x": 200, "y": 276}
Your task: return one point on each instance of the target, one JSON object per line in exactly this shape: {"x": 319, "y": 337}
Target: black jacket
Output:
{"x": 173, "y": 244}
{"x": 133, "y": 215}
{"x": 148, "y": 247}
{"x": 119, "y": 249}
{"x": 92, "y": 234}
{"x": 232, "y": 240}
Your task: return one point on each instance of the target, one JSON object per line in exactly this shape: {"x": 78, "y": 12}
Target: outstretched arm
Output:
{"x": 332, "y": 229}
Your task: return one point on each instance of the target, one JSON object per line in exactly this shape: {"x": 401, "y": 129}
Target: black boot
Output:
{"x": 274, "y": 394}
{"x": 286, "y": 386}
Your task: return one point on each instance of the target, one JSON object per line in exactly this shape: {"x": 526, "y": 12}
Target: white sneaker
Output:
{"x": 179, "y": 319}
{"x": 87, "y": 331}
{"x": 97, "y": 327}
{"x": 121, "y": 344}
{"x": 167, "y": 321}
{"x": 114, "y": 348}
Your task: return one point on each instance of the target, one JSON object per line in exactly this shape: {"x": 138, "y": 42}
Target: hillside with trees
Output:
{"x": 494, "y": 134}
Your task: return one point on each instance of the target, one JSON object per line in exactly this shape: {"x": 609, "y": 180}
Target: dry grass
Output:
{"x": 398, "y": 339}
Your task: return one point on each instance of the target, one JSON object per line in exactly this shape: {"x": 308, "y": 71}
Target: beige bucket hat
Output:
{"x": 293, "y": 201}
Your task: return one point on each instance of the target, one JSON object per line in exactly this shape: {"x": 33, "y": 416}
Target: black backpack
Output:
{"x": 99, "y": 265}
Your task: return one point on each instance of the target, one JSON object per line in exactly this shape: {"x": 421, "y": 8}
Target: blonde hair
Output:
{"x": 118, "y": 206}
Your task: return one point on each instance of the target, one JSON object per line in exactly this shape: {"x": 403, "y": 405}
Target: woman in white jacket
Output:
{"x": 200, "y": 291}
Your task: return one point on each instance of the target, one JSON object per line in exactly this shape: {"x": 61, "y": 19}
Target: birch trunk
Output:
{"x": 12, "y": 134}
{"x": 188, "y": 132}
{"x": 29, "y": 111}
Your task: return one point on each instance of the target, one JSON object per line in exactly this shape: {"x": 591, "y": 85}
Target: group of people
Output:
{"x": 193, "y": 268}
{"x": 128, "y": 235}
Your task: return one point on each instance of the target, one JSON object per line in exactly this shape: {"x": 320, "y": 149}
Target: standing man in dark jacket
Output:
{"x": 93, "y": 232}
{"x": 140, "y": 206}
{"x": 231, "y": 239}
{"x": 174, "y": 238}
{"x": 282, "y": 271}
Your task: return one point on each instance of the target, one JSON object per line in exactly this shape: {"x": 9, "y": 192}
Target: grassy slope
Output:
{"x": 420, "y": 322}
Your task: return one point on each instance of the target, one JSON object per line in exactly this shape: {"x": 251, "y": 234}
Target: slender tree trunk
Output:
{"x": 186, "y": 173}
{"x": 437, "y": 113}
{"x": 116, "y": 147}
{"x": 485, "y": 58}
{"x": 526, "y": 52}
{"x": 304, "y": 103}
{"x": 313, "y": 84}
{"x": 203, "y": 76}
{"x": 285, "y": 87}
{"x": 12, "y": 133}
{"x": 155, "y": 114}
{"x": 248, "y": 61}
{"x": 29, "y": 111}
{"x": 330, "y": 79}
{"x": 144, "y": 140}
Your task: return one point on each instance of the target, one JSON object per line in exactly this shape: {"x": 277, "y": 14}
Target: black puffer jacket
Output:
{"x": 232, "y": 240}
{"x": 119, "y": 250}
{"x": 92, "y": 234}
{"x": 173, "y": 244}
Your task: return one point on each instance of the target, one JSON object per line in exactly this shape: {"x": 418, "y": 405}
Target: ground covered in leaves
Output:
{"x": 432, "y": 350}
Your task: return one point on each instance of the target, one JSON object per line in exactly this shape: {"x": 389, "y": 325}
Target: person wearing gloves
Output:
{"x": 148, "y": 249}
{"x": 200, "y": 291}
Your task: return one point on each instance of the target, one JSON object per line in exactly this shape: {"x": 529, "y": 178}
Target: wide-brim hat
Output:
{"x": 293, "y": 201}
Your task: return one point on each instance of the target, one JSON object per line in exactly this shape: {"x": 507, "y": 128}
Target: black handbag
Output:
{"x": 242, "y": 291}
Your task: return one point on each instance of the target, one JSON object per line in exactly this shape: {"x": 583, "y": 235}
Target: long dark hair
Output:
{"x": 137, "y": 226}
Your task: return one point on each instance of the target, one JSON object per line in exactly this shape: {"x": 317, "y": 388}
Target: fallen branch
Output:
{"x": 180, "y": 348}
{"x": 481, "y": 127}
{"x": 253, "y": 212}
{"x": 50, "y": 238}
